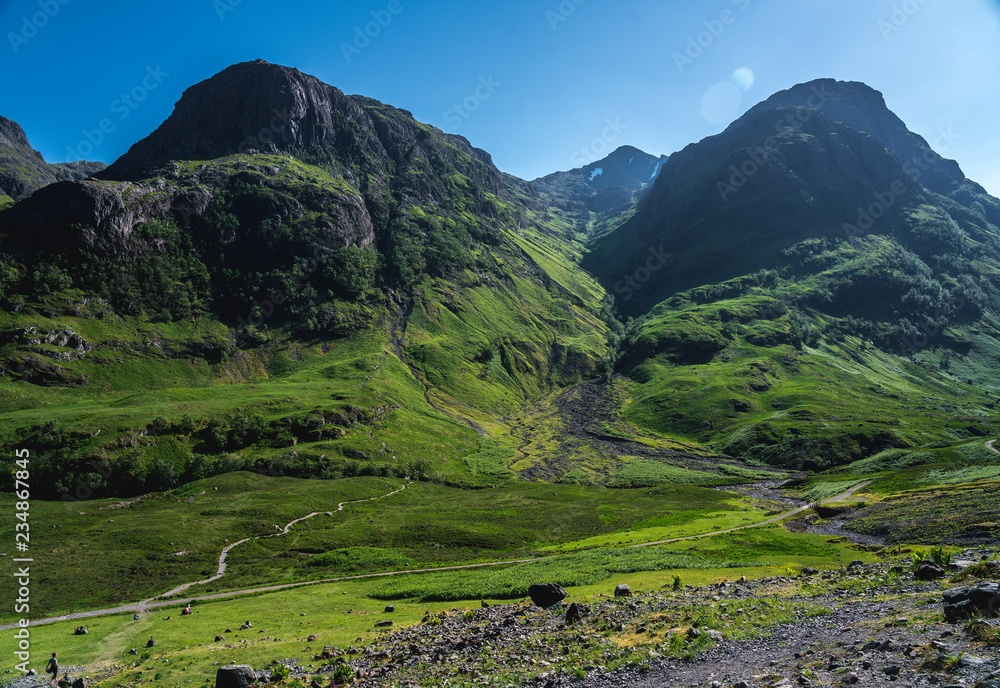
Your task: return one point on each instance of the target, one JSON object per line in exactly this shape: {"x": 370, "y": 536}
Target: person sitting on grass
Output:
{"x": 186, "y": 610}
{"x": 53, "y": 668}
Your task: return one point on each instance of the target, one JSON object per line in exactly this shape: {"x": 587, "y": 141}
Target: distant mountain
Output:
{"x": 782, "y": 173}
{"x": 607, "y": 185}
{"x": 24, "y": 171}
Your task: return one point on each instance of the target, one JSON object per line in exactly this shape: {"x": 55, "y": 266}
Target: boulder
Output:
{"x": 808, "y": 571}
{"x": 383, "y": 624}
{"x": 235, "y": 676}
{"x": 576, "y": 612}
{"x": 856, "y": 564}
{"x": 623, "y": 590}
{"x": 219, "y": 638}
{"x": 389, "y": 609}
{"x": 966, "y": 601}
{"x": 80, "y": 630}
{"x": 546, "y": 594}
{"x": 151, "y": 643}
{"x": 928, "y": 571}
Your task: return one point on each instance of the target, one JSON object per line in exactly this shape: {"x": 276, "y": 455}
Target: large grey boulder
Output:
{"x": 235, "y": 676}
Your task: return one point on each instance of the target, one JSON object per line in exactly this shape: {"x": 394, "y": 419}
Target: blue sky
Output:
{"x": 543, "y": 85}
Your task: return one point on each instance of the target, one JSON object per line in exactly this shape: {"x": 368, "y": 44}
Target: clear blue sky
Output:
{"x": 559, "y": 70}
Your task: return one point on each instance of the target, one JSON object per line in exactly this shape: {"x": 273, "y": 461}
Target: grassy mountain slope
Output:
{"x": 377, "y": 293}
{"x": 805, "y": 299}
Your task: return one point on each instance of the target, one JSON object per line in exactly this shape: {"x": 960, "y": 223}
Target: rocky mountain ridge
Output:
{"x": 23, "y": 170}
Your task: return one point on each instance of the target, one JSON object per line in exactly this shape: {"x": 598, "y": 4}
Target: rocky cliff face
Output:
{"x": 252, "y": 107}
{"x": 282, "y": 130}
{"x": 23, "y": 170}
{"x": 863, "y": 108}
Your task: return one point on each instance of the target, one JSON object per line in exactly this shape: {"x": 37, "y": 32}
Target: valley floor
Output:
{"x": 870, "y": 625}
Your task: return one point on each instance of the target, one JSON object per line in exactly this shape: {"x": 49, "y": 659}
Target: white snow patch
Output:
{"x": 656, "y": 171}
{"x": 598, "y": 171}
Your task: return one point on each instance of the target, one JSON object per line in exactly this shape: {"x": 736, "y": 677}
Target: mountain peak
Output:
{"x": 12, "y": 134}
{"x": 247, "y": 107}
{"x": 862, "y": 107}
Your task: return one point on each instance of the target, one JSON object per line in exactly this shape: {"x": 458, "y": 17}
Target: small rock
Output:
{"x": 623, "y": 590}
{"x": 930, "y": 571}
{"x": 575, "y": 613}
